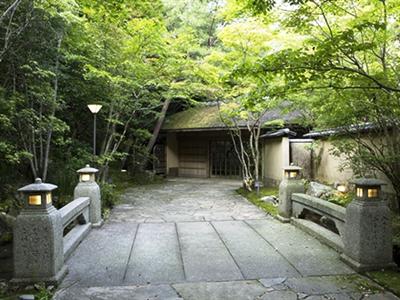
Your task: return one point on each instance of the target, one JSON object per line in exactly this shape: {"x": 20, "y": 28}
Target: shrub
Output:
{"x": 342, "y": 199}
{"x": 109, "y": 195}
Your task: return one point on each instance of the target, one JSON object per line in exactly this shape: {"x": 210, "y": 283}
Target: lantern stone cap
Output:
{"x": 87, "y": 169}
{"x": 38, "y": 186}
{"x": 292, "y": 168}
{"x": 368, "y": 182}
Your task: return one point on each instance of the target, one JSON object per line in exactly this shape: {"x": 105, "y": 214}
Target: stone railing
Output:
{"x": 332, "y": 216}
{"x": 361, "y": 232}
{"x": 40, "y": 247}
{"x": 76, "y": 212}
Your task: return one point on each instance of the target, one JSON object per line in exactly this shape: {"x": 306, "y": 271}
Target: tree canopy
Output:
{"x": 336, "y": 60}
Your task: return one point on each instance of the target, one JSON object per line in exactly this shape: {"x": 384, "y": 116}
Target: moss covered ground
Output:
{"x": 255, "y": 198}
{"x": 389, "y": 279}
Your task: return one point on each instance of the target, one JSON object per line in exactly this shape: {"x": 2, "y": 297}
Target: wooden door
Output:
{"x": 193, "y": 158}
{"x": 224, "y": 162}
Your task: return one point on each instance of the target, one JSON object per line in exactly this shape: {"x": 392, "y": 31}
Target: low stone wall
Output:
{"x": 40, "y": 247}
{"x": 75, "y": 211}
{"x": 361, "y": 231}
{"x": 331, "y": 214}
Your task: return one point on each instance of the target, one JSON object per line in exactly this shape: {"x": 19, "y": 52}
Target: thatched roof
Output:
{"x": 356, "y": 128}
{"x": 208, "y": 118}
{"x": 195, "y": 118}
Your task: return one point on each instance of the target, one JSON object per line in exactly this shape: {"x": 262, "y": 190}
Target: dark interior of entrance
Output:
{"x": 223, "y": 160}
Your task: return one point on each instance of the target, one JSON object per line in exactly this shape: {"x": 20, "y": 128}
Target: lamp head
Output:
{"x": 87, "y": 174}
{"x": 368, "y": 188}
{"x": 292, "y": 172}
{"x": 341, "y": 188}
{"x": 95, "y": 108}
{"x": 38, "y": 194}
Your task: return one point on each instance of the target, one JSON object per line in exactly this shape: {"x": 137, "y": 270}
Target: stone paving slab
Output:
{"x": 102, "y": 257}
{"x": 254, "y": 256}
{"x": 354, "y": 287}
{"x": 185, "y": 201}
{"x": 337, "y": 287}
{"x": 204, "y": 255}
{"x": 146, "y": 292}
{"x": 155, "y": 256}
{"x": 324, "y": 285}
{"x": 305, "y": 253}
{"x": 220, "y": 290}
{"x": 281, "y": 295}
{"x": 161, "y": 235}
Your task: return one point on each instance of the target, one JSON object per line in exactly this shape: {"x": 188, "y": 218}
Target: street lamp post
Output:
{"x": 94, "y": 108}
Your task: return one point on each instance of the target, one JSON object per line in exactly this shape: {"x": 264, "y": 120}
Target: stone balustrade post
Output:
{"x": 290, "y": 184}
{"x": 368, "y": 236}
{"x": 87, "y": 187}
{"x": 38, "y": 237}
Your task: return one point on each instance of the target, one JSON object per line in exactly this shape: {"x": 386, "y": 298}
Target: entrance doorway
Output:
{"x": 223, "y": 162}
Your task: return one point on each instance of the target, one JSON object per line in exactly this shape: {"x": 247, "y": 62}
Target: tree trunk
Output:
{"x": 156, "y": 132}
{"x": 159, "y": 123}
{"x": 50, "y": 132}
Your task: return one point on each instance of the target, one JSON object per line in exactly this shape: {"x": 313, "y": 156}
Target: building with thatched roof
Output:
{"x": 197, "y": 143}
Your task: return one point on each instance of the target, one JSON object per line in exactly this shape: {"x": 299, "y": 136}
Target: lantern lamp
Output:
{"x": 292, "y": 172}
{"x": 94, "y": 108}
{"x": 38, "y": 194}
{"x": 38, "y": 238}
{"x": 87, "y": 174}
{"x": 341, "y": 188}
{"x": 368, "y": 188}
{"x": 290, "y": 184}
{"x": 87, "y": 187}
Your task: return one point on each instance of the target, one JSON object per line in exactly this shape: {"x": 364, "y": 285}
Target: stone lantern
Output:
{"x": 87, "y": 187}
{"x": 38, "y": 195}
{"x": 292, "y": 172}
{"x": 368, "y": 189}
{"x": 38, "y": 237}
{"x": 290, "y": 184}
{"x": 368, "y": 236}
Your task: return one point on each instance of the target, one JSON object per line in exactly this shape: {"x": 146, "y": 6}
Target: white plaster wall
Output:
{"x": 301, "y": 156}
{"x": 327, "y": 166}
{"x": 275, "y": 155}
{"x": 328, "y": 169}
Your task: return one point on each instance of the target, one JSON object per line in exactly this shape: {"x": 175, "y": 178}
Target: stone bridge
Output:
{"x": 198, "y": 239}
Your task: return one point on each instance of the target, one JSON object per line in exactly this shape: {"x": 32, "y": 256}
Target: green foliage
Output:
{"x": 109, "y": 195}
{"x": 43, "y": 293}
{"x": 389, "y": 279}
{"x": 256, "y": 199}
{"x": 60, "y": 56}
{"x": 342, "y": 199}
{"x": 396, "y": 229}
{"x": 335, "y": 60}
{"x": 6, "y": 238}
{"x": 39, "y": 291}
{"x": 339, "y": 64}
{"x": 278, "y": 123}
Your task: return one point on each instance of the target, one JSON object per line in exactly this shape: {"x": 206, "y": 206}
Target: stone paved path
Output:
{"x": 198, "y": 239}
